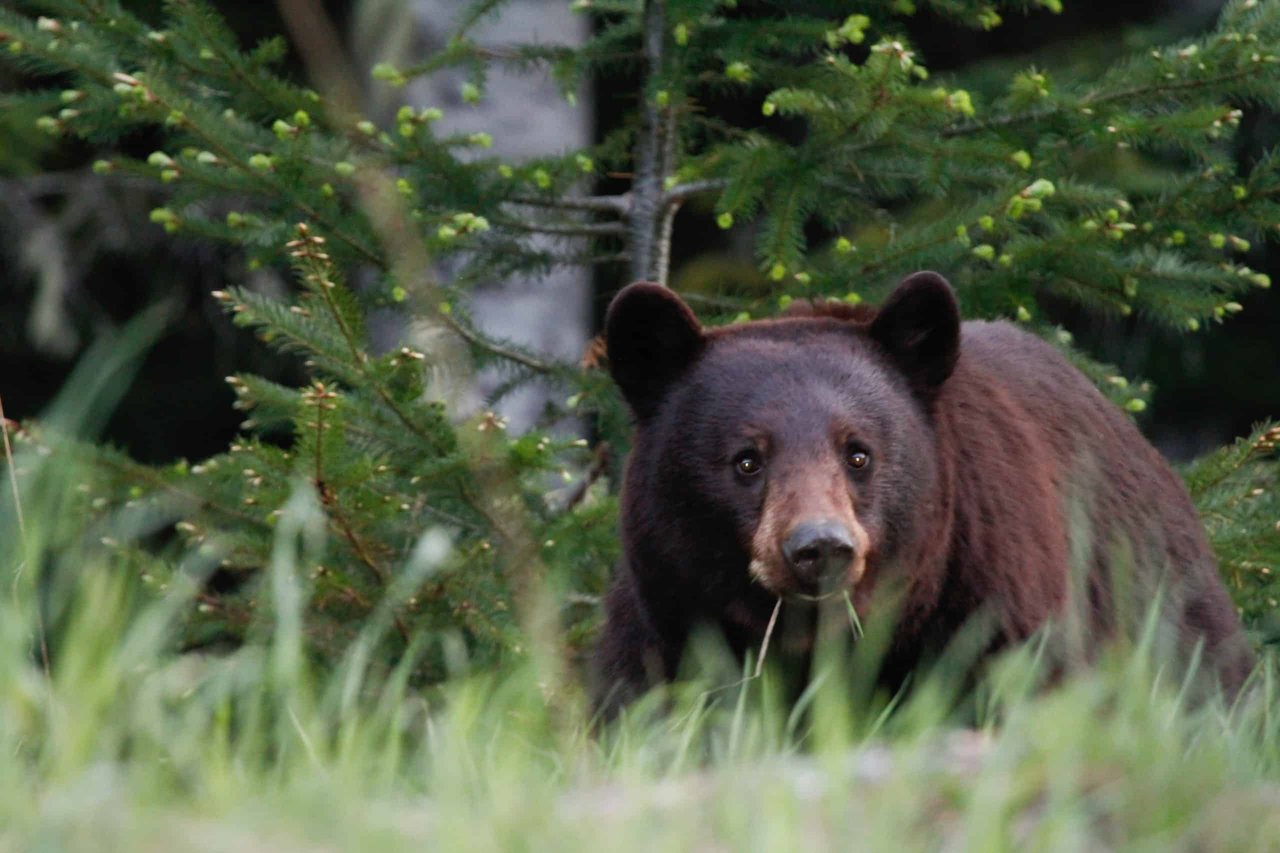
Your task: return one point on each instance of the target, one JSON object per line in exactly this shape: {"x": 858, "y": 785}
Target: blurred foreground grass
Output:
{"x": 130, "y": 744}
{"x": 113, "y": 737}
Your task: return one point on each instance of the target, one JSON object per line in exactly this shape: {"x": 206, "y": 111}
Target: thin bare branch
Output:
{"x": 662, "y": 263}
{"x": 571, "y": 229}
{"x": 646, "y": 188}
{"x": 683, "y": 192}
{"x": 619, "y": 204}
{"x": 667, "y": 209}
{"x": 599, "y": 462}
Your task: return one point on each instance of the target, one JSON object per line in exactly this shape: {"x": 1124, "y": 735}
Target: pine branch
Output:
{"x": 477, "y": 340}
{"x": 242, "y": 165}
{"x": 1096, "y": 99}
{"x": 315, "y": 264}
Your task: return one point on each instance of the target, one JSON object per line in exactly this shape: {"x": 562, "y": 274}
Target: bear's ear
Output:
{"x": 919, "y": 327}
{"x": 651, "y": 336}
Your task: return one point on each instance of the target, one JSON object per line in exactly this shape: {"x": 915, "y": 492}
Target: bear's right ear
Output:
{"x": 919, "y": 327}
{"x": 651, "y": 337}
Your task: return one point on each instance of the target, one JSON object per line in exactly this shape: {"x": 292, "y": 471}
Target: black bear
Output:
{"x": 966, "y": 466}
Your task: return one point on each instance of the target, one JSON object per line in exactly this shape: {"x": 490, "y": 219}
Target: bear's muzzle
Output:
{"x": 819, "y": 554}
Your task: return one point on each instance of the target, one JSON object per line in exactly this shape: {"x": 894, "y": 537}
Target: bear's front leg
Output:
{"x": 631, "y": 655}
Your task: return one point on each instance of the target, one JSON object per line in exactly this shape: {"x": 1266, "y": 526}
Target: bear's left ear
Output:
{"x": 651, "y": 337}
{"x": 919, "y": 327}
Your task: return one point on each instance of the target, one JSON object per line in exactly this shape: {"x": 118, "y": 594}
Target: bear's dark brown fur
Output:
{"x": 967, "y": 466}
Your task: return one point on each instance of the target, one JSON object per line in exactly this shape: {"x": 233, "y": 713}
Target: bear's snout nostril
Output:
{"x": 818, "y": 551}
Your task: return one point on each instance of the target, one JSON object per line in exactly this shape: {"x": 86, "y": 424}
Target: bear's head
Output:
{"x": 795, "y": 456}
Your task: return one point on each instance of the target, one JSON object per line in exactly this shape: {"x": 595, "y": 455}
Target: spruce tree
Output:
{"x": 1115, "y": 192}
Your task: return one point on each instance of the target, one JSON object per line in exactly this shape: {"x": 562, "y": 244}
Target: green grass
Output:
{"x": 122, "y": 741}
{"x": 127, "y": 743}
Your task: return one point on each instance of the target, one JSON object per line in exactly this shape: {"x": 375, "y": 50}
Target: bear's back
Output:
{"x": 1034, "y": 425}
{"x": 1040, "y": 377}
{"x": 1090, "y": 444}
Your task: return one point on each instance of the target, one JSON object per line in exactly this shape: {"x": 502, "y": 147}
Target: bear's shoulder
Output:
{"x": 1016, "y": 356}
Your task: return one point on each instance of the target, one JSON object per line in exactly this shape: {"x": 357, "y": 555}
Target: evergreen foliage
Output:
{"x": 1237, "y": 490}
{"x": 861, "y": 167}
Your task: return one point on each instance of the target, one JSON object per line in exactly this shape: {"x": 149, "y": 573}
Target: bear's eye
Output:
{"x": 857, "y": 458}
{"x": 748, "y": 463}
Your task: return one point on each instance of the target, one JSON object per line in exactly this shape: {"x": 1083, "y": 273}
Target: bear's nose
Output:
{"x": 818, "y": 550}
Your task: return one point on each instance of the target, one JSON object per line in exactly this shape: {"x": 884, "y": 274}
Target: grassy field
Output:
{"x": 110, "y": 738}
